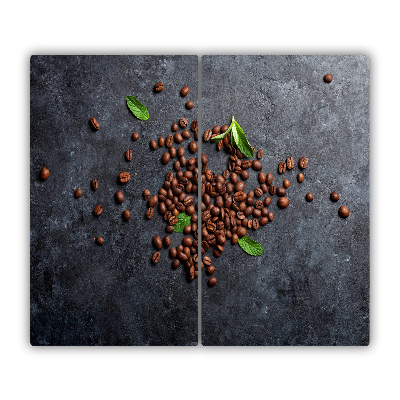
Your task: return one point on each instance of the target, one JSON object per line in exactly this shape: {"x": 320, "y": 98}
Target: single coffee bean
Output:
{"x": 194, "y": 126}
{"x": 44, "y": 174}
{"x": 283, "y": 202}
{"x": 172, "y": 151}
{"x": 186, "y": 134}
{"x": 126, "y": 215}
{"x": 175, "y": 264}
{"x": 207, "y": 135}
{"x": 271, "y": 215}
{"x": 149, "y": 212}
{"x": 269, "y": 179}
{"x": 309, "y": 197}
{"x": 300, "y": 177}
{"x": 272, "y": 190}
{"x": 158, "y": 87}
{"x": 267, "y": 201}
{"x": 184, "y": 91}
{"x": 156, "y": 257}
{"x": 328, "y": 78}
{"x": 193, "y": 147}
{"x": 262, "y": 177}
{"x": 119, "y": 197}
{"x": 216, "y": 130}
{"x": 94, "y": 184}
{"x": 165, "y": 158}
{"x": 285, "y": 183}
{"x": 260, "y": 153}
{"x": 280, "y": 191}
{"x": 124, "y": 177}
{"x": 334, "y": 196}
{"x": 256, "y": 213}
{"x": 210, "y": 269}
{"x": 344, "y": 212}
{"x": 153, "y": 144}
{"x": 153, "y": 200}
{"x": 135, "y": 136}
{"x": 263, "y": 221}
{"x": 206, "y": 260}
{"x": 224, "y": 128}
{"x": 178, "y": 137}
{"x": 212, "y": 281}
{"x": 183, "y": 122}
{"x": 98, "y": 210}
{"x": 94, "y": 124}
{"x": 245, "y": 175}
{"x": 256, "y": 165}
{"x": 100, "y": 240}
{"x": 78, "y": 193}
{"x": 169, "y": 141}
{"x": 157, "y": 242}
{"x": 128, "y": 155}
{"x": 161, "y": 141}
{"x": 235, "y": 238}
{"x": 167, "y": 241}
{"x": 146, "y": 194}
{"x": 258, "y": 192}
{"x": 256, "y": 224}
{"x": 174, "y": 127}
{"x": 290, "y": 163}
{"x": 189, "y": 105}
{"x": 303, "y": 162}
{"x": 241, "y": 231}
{"x": 282, "y": 167}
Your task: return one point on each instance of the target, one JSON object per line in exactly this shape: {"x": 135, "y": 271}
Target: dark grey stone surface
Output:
{"x": 311, "y": 285}
{"x": 83, "y": 294}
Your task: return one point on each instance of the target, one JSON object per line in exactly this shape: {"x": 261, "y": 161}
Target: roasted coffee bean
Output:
{"x": 207, "y": 135}
{"x": 239, "y": 187}
{"x": 272, "y": 190}
{"x": 135, "y": 136}
{"x": 280, "y": 191}
{"x": 119, "y": 197}
{"x": 162, "y": 208}
{"x": 187, "y": 241}
{"x": 309, "y": 197}
{"x": 241, "y": 231}
{"x": 183, "y": 122}
{"x": 78, "y": 193}
{"x": 184, "y": 91}
{"x": 194, "y": 125}
{"x": 262, "y": 177}
{"x": 128, "y": 155}
{"x": 157, "y": 242}
{"x": 44, "y": 174}
{"x": 264, "y": 187}
{"x": 94, "y": 124}
{"x": 124, "y": 177}
{"x": 146, "y": 194}
{"x": 169, "y": 141}
{"x": 212, "y": 281}
{"x": 248, "y": 211}
{"x": 258, "y": 192}
{"x": 334, "y": 196}
{"x": 328, "y": 78}
{"x": 152, "y": 201}
{"x": 165, "y": 158}
{"x": 256, "y": 213}
{"x": 189, "y": 105}
{"x": 300, "y": 177}
{"x": 175, "y": 264}
{"x": 180, "y": 152}
{"x": 100, "y": 240}
{"x": 172, "y": 151}
{"x": 126, "y": 215}
{"x": 206, "y": 260}
{"x": 224, "y": 128}
{"x": 235, "y": 238}
{"x": 158, "y": 87}
{"x": 264, "y": 211}
{"x": 260, "y": 153}
{"x": 98, "y": 210}
{"x": 267, "y": 201}
{"x": 174, "y": 127}
{"x": 186, "y": 134}
{"x": 258, "y": 204}
{"x": 94, "y": 184}
{"x": 182, "y": 256}
{"x": 263, "y": 221}
{"x": 210, "y": 269}
{"x": 283, "y": 202}
{"x": 173, "y": 252}
{"x": 167, "y": 241}
{"x": 290, "y": 163}
{"x": 285, "y": 183}
{"x": 282, "y": 167}
{"x": 156, "y": 257}
{"x": 149, "y": 212}
{"x": 216, "y": 130}
{"x": 269, "y": 179}
{"x": 193, "y": 147}
{"x": 220, "y": 144}
{"x": 153, "y": 144}
{"x": 303, "y": 162}
{"x": 256, "y": 224}
{"x": 344, "y": 212}
{"x": 271, "y": 215}
{"x": 240, "y": 196}
{"x": 178, "y": 138}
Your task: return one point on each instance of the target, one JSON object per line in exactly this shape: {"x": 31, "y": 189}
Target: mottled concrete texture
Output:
{"x": 83, "y": 294}
{"x": 311, "y": 285}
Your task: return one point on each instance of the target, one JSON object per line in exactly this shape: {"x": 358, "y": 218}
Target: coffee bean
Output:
{"x": 128, "y": 155}
{"x": 94, "y": 124}
{"x": 216, "y": 130}
{"x": 193, "y": 147}
{"x": 135, "y": 136}
{"x": 94, "y": 184}
{"x": 245, "y": 175}
{"x": 280, "y": 191}
{"x": 146, "y": 194}
{"x": 256, "y": 224}
{"x": 262, "y": 177}
{"x": 153, "y": 144}
{"x": 282, "y": 167}
{"x": 156, "y": 257}
{"x": 100, "y": 240}
{"x": 271, "y": 215}
{"x": 309, "y": 197}
{"x": 224, "y": 128}
{"x": 212, "y": 281}
{"x": 344, "y": 212}
{"x": 267, "y": 201}
{"x": 258, "y": 192}
{"x": 283, "y": 202}
{"x": 194, "y": 126}
{"x": 157, "y": 242}
{"x": 126, "y": 215}
{"x": 152, "y": 201}
{"x": 235, "y": 238}
{"x": 158, "y": 87}
{"x": 210, "y": 269}
{"x": 303, "y": 162}
{"x": 220, "y": 145}
{"x": 161, "y": 141}
{"x": 175, "y": 264}
{"x": 183, "y": 122}
{"x": 186, "y": 134}
{"x": 269, "y": 179}
{"x": 207, "y": 135}
{"x": 256, "y": 165}
{"x": 172, "y": 152}
{"x": 206, "y": 260}
{"x": 260, "y": 153}
{"x": 124, "y": 177}
{"x": 149, "y": 212}
{"x": 174, "y": 127}
{"x": 167, "y": 241}
{"x": 300, "y": 177}
{"x": 119, "y": 197}
{"x": 328, "y": 78}
{"x": 263, "y": 221}
{"x": 78, "y": 193}
{"x": 165, "y": 158}
{"x": 272, "y": 190}
{"x": 44, "y": 174}
{"x": 184, "y": 91}
{"x": 334, "y": 196}
{"x": 169, "y": 141}
{"x": 98, "y": 210}
{"x": 285, "y": 183}
{"x": 189, "y": 105}
{"x": 290, "y": 163}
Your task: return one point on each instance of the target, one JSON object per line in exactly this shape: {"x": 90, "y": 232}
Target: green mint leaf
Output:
{"x": 250, "y": 246}
{"x": 241, "y": 141}
{"x": 222, "y": 135}
{"x": 183, "y": 220}
{"x": 137, "y": 108}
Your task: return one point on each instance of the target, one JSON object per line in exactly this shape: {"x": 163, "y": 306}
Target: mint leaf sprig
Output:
{"x": 237, "y": 136}
{"x": 183, "y": 220}
{"x": 250, "y": 246}
{"x": 138, "y": 109}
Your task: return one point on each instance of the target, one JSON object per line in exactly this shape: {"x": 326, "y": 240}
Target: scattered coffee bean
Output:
{"x": 146, "y": 194}
{"x": 98, "y": 210}
{"x": 183, "y": 122}
{"x": 157, "y": 242}
{"x": 156, "y": 257}
{"x": 94, "y": 124}
{"x": 272, "y": 190}
{"x": 267, "y": 201}
{"x": 334, "y": 196}
{"x": 300, "y": 177}
{"x": 149, "y": 212}
{"x": 175, "y": 264}
{"x": 224, "y": 128}
{"x": 280, "y": 191}
{"x": 186, "y": 134}
{"x": 174, "y": 127}
{"x": 135, "y": 136}
{"x": 290, "y": 163}
{"x": 184, "y": 91}
{"x": 194, "y": 126}
{"x": 158, "y": 87}
{"x": 260, "y": 153}
{"x": 210, "y": 269}
{"x": 309, "y": 197}
{"x": 165, "y": 158}
{"x": 328, "y": 78}
{"x": 256, "y": 165}
{"x": 94, "y": 184}
{"x": 269, "y": 179}
{"x": 161, "y": 141}
{"x": 282, "y": 167}
{"x": 44, "y": 174}
{"x": 303, "y": 162}
{"x": 193, "y": 147}
{"x": 128, "y": 155}
{"x": 283, "y": 202}
{"x": 153, "y": 144}
{"x": 212, "y": 281}
{"x": 216, "y": 130}
{"x": 285, "y": 183}
{"x": 189, "y": 105}
{"x": 78, "y": 193}
{"x": 100, "y": 240}
{"x": 344, "y": 212}
{"x": 119, "y": 197}
{"x": 124, "y": 177}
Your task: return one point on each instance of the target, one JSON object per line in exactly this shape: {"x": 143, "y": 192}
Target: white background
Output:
{"x": 209, "y": 27}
